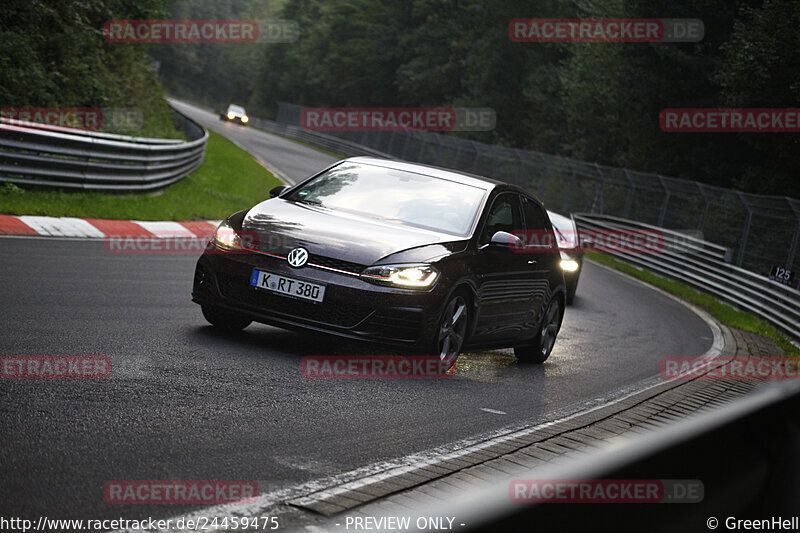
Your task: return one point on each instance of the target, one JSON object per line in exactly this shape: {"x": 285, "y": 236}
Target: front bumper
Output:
{"x": 352, "y": 307}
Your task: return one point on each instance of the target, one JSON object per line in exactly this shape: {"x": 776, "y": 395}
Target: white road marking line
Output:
{"x": 62, "y": 227}
{"x": 165, "y": 229}
{"x": 493, "y": 411}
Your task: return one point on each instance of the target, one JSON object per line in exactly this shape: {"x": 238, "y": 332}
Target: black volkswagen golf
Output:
{"x": 392, "y": 252}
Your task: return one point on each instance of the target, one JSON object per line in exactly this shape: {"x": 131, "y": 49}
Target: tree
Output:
{"x": 760, "y": 69}
{"x": 54, "y": 54}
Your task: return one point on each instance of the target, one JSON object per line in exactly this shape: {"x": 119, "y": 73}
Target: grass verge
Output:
{"x": 228, "y": 180}
{"x": 723, "y": 312}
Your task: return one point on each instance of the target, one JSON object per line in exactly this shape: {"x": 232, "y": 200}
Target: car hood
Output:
{"x": 281, "y": 225}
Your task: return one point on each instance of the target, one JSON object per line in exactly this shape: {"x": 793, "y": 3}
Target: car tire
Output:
{"x": 451, "y": 329}
{"x": 539, "y": 350}
{"x": 225, "y": 319}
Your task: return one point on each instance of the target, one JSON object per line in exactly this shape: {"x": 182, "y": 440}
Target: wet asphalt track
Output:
{"x": 187, "y": 402}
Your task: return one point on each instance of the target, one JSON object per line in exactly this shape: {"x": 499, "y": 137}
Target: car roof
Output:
{"x": 437, "y": 172}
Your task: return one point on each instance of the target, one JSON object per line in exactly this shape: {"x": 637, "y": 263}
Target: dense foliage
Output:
{"x": 53, "y": 54}
{"x": 595, "y": 102}
{"x": 591, "y": 101}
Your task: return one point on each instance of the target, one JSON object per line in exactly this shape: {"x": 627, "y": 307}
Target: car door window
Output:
{"x": 535, "y": 216}
{"x": 504, "y": 215}
{"x": 537, "y": 224}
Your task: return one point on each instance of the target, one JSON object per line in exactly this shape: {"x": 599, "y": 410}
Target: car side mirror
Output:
{"x": 505, "y": 240}
{"x": 277, "y": 191}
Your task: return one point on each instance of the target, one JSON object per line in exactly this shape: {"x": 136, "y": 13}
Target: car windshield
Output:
{"x": 235, "y": 109}
{"x": 394, "y": 195}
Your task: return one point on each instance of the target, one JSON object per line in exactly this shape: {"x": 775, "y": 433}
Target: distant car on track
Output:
{"x": 235, "y": 113}
{"x": 398, "y": 253}
{"x": 571, "y": 251}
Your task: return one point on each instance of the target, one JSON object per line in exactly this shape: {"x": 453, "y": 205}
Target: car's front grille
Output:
{"x": 321, "y": 260}
{"x": 327, "y": 312}
{"x": 338, "y": 264}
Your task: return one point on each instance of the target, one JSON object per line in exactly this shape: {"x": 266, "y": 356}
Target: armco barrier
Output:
{"x": 36, "y": 154}
{"x": 744, "y": 453}
{"x": 762, "y": 231}
{"x": 704, "y": 265}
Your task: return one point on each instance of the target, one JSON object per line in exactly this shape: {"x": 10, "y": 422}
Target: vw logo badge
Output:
{"x": 297, "y": 257}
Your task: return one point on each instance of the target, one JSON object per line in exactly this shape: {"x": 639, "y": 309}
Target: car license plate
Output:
{"x": 287, "y": 286}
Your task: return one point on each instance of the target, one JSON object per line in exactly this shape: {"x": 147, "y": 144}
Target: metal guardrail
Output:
{"x": 762, "y": 231}
{"x": 52, "y": 156}
{"x": 743, "y": 453}
{"x": 704, "y": 266}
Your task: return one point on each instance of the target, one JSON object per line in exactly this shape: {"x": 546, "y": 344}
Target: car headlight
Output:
{"x": 231, "y": 116}
{"x": 245, "y": 118}
{"x": 414, "y": 276}
{"x": 226, "y": 237}
{"x": 568, "y": 264}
